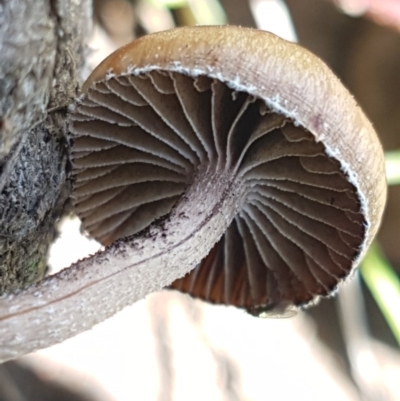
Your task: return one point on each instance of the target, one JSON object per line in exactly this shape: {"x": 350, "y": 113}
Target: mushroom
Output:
{"x": 222, "y": 155}
{"x": 170, "y": 107}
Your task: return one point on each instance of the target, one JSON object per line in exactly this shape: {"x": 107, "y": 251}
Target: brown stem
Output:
{"x": 95, "y": 288}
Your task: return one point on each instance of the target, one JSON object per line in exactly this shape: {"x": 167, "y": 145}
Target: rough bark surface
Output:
{"x": 42, "y": 47}
{"x": 28, "y": 53}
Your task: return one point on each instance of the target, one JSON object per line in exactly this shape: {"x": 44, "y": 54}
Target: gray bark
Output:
{"x": 42, "y": 47}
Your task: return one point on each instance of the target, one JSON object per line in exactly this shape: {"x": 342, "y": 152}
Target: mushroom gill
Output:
{"x": 142, "y": 136}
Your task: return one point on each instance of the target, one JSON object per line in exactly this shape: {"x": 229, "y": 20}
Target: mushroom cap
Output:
{"x": 173, "y": 104}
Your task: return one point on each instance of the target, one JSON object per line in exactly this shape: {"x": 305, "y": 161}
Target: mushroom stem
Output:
{"x": 97, "y": 287}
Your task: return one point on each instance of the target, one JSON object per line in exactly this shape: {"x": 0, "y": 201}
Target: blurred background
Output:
{"x": 171, "y": 347}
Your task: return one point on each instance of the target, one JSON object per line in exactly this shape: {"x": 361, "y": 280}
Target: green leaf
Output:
{"x": 384, "y": 284}
{"x": 392, "y": 160}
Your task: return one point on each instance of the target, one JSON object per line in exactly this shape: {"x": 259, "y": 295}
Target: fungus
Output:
{"x": 306, "y": 167}
{"x": 223, "y": 162}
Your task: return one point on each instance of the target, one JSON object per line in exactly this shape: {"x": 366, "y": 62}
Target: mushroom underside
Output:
{"x": 138, "y": 143}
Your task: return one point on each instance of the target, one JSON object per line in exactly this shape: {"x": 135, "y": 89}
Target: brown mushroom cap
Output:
{"x": 174, "y": 104}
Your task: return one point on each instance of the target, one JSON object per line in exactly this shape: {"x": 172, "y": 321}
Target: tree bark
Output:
{"x": 42, "y": 47}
